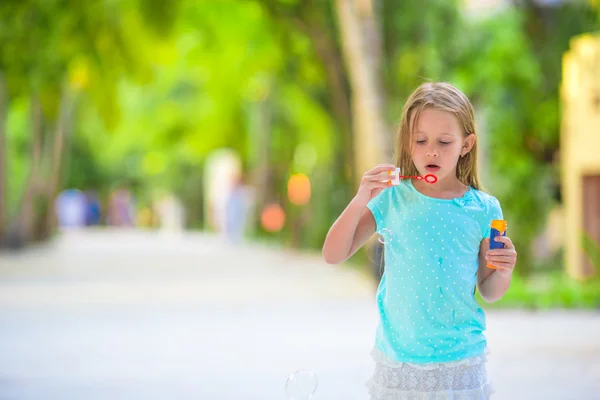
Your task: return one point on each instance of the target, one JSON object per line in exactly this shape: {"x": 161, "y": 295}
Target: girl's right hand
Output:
{"x": 374, "y": 181}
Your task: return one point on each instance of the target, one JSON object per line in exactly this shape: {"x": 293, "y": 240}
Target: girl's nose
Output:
{"x": 432, "y": 152}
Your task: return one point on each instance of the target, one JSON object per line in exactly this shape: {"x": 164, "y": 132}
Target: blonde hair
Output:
{"x": 444, "y": 97}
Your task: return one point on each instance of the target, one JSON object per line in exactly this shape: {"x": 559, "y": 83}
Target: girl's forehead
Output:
{"x": 432, "y": 121}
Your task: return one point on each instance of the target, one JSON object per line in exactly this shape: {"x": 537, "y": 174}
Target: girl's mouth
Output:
{"x": 432, "y": 168}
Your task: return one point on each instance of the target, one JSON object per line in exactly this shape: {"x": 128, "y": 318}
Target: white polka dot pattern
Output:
{"x": 426, "y": 302}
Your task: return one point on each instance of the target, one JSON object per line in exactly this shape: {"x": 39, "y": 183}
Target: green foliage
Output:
{"x": 548, "y": 291}
{"x": 163, "y": 84}
{"x": 511, "y": 71}
{"x": 421, "y": 44}
{"x": 17, "y": 153}
{"x": 47, "y": 43}
{"x": 491, "y": 61}
{"x": 224, "y": 65}
{"x": 521, "y": 99}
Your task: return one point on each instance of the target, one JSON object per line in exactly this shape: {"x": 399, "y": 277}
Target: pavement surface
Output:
{"x": 147, "y": 315}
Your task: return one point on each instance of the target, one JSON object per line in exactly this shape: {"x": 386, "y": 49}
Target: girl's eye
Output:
{"x": 445, "y": 143}
{"x": 420, "y": 141}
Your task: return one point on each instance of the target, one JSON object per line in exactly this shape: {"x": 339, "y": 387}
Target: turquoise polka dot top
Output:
{"x": 428, "y": 312}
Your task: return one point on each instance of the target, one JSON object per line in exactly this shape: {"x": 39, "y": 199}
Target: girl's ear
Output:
{"x": 468, "y": 144}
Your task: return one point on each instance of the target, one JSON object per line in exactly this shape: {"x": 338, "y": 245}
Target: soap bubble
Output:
{"x": 301, "y": 385}
{"x": 385, "y": 236}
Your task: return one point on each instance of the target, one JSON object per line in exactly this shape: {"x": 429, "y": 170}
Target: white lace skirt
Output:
{"x": 457, "y": 380}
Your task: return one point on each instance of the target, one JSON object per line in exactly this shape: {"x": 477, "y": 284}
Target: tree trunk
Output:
{"x": 362, "y": 49}
{"x": 325, "y": 46}
{"x": 313, "y": 20}
{"x": 361, "y": 45}
{"x": 3, "y": 112}
{"x": 47, "y": 223}
{"x": 327, "y": 52}
{"x": 25, "y": 219}
{"x": 261, "y": 174}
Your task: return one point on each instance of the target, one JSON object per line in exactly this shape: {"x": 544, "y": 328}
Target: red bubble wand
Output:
{"x": 429, "y": 178}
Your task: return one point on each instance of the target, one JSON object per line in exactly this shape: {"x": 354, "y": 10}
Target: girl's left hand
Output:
{"x": 504, "y": 259}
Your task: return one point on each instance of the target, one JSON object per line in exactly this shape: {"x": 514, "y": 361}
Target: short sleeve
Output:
{"x": 379, "y": 206}
{"x": 494, "y": 211}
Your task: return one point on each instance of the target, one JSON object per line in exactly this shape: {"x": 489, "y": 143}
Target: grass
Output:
{"x": 549, "y": 290}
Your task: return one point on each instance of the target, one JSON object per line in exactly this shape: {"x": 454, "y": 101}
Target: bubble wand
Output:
{"x": 429, "y": 178}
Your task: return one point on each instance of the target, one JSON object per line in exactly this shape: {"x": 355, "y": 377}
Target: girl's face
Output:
{"x": 438, "y": 143}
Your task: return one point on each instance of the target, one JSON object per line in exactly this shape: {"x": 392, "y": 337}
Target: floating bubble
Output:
{"x": 301, "y": 385}
{"x": 385, "y": 236}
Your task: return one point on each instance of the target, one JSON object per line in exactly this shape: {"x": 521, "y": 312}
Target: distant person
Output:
{"x": 93, "y": 211}
{"x": 237, "y": 210}
{"x": 171, "y": 214}
{"x": 121, "y": 210}
{"x": 430, "y": 342}
{"x": 71, "y": 209}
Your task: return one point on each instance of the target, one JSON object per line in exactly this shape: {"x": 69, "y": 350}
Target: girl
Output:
{"x": 429, "y": 342}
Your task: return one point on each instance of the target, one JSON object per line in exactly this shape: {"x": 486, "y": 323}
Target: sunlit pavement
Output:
{"x": 144, "y": 315}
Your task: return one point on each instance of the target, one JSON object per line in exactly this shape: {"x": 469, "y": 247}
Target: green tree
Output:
{"x": 54, "y": 52}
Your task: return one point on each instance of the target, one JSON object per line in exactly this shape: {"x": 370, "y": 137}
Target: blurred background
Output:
{"x": 169, "y": 171}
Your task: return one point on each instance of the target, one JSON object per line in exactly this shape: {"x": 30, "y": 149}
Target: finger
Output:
{"x": 376, "y": 184}
{"x": 502, "y": 252}
{"x": 382, "y": 176}
{"x": 508, "y": 244}
{"x": 381, "y": 168}
{"x": 503, "y": 266}
{"x": 370, "y": 181}
{"x": 507, "y": 259}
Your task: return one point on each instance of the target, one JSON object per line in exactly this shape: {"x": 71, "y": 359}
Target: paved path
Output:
{"x": 134, "y": 315}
